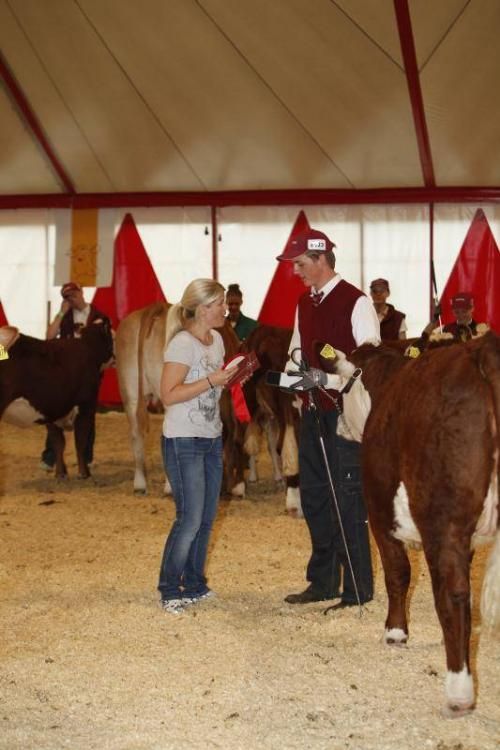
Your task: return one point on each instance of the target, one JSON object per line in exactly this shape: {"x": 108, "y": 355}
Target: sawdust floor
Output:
{"x": 88, "y": 660}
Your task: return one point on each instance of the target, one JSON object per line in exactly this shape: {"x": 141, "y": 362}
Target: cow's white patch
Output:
{"x": 405, "y": 529}
{"x": 357, "y": 405}
{"x": 293, "y": 504}
{"x": 21, "y": 413}
{"x": 459, "y": 689}
{"x": 395, "y": 636}
{"x": 488, "y": 520}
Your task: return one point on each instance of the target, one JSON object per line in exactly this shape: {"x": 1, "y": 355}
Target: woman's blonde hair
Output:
{"x": 198, "y": 292}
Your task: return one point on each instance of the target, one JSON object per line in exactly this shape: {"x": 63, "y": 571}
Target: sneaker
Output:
{"x": 173, "y": 606}
{"x": 45, "y": 467}
{"x": 193, "y": 598}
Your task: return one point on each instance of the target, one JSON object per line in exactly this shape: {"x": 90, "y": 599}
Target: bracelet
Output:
{"x": 210, "y": 383}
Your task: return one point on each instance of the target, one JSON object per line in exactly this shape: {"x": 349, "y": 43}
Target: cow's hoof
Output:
{"x": 395, "y": 637}
{"x": 84, "y": 476}
{"x": 456, "y": 711}
{"x": 140, "y": 491}
{"x": 238, "y": 490}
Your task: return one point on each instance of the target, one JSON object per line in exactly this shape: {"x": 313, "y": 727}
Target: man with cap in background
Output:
{"x": 335, "y": 312}
{"x": 73, "y": 315}
{"x": 392, "y": 321}
{"x": 464, "y": 326}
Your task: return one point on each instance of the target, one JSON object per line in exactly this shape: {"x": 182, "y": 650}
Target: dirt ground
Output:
{"x": 88, "y": 659}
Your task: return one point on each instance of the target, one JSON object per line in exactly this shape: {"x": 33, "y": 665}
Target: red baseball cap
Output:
{"x": 308, "y": 241}
{"x": 462, "y": 301}
{"x": 71, "y": 286}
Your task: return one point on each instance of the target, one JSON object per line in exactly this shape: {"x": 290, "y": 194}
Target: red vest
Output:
{"x": 67, "y": 328}
{"x": 328, "y": 323}
{"x": 390, "y": 325}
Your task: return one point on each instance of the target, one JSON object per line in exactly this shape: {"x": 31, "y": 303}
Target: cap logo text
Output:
{"x": 316, "y": 245}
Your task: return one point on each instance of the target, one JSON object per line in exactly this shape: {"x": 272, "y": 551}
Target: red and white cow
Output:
{"x": 273, "y": 411}
{"x": 139, "y": 346}
{"x": 430, "y": 458}
{"x": 44, "y": 382}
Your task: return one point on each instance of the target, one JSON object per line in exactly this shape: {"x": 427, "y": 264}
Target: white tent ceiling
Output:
{"x": 120, "y": 96}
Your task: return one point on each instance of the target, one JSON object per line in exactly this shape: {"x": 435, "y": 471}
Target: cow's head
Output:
{"x": 99, "y": 337}
{"x": 8, "y": 336}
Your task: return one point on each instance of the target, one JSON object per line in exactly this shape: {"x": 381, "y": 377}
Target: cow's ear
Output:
{"x": 8, "y": 336}
{"x": 326, "y": 355}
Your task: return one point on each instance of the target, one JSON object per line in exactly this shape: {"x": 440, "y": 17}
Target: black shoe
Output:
{"x": 305, "y": 597}
{"x": 342, "y": 605}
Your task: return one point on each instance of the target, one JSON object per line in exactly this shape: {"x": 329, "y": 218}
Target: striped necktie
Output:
{"x": 316, "y": 298}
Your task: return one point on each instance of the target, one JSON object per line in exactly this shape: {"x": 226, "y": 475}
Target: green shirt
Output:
{"x": 244, "y": 326}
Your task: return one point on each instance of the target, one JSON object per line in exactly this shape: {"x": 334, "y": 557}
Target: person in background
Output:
{"x": 73, "y": 315}
{"x": 464, "y": 327}
{"x": 191, "y": 385}
{"x": 332, "y": 311}
{"x": 392, "y": 321}
{"x": 242, "y": 325}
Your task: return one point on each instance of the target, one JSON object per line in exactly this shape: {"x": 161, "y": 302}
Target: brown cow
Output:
{"x": 139, "y": 346}
{"x": 430, "y": 450}
{"x": 41, "y": 382}
{"x": 273, "y": 411}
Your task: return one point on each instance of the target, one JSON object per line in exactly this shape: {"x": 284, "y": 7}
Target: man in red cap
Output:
{"x": 392, "y": 321}
{"x": 74, "y": 314}
{"x": 464, "y": 326}
{"x": 334, "y": 312}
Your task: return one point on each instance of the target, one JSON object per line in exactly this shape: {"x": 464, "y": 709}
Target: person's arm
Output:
{"x": 365, "y": 323}
{"x": 173, "y": 389}
{"x": 402, "y": 329}
{"x": 54, "y": 327}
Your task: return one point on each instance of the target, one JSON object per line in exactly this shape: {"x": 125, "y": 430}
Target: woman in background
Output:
{"x": 191, "y": 386}
{"x": 242, "y": 324}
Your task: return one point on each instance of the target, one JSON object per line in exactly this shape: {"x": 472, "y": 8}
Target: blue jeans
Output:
{"x": 194, "y": 468}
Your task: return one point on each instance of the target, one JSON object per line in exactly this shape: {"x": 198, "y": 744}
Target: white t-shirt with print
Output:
{"x": 200, "y": 416}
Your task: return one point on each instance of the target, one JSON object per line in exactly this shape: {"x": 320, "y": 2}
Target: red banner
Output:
{"x": 476, "y": 270}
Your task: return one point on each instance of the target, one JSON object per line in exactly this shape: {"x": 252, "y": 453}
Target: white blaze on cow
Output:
{"x": 430, "y": 475}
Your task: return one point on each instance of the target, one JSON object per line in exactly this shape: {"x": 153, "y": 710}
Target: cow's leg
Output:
{"x": 252, "y": 469}
{"x": 137, "y": 445}
{"x": 251, "y": 446}
{"x": 58, "y": 443}
{"x": 84, "y": 423}
{"x": 293, "y": 502}
{"x": 448, "y": 556}
{"x": 397, "y": 573}
{"x": 272, "y": 435}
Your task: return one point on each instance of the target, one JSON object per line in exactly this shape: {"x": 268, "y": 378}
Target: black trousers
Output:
{"x": 328, "y": 569}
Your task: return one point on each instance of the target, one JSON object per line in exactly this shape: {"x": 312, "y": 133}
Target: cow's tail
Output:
{"x": 149, "y": 316}
{"x": 489, "y": 365}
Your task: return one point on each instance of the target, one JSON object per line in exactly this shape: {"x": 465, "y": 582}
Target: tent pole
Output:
{"x": 215, "y": 249}
{"x": 431, "y": 258}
